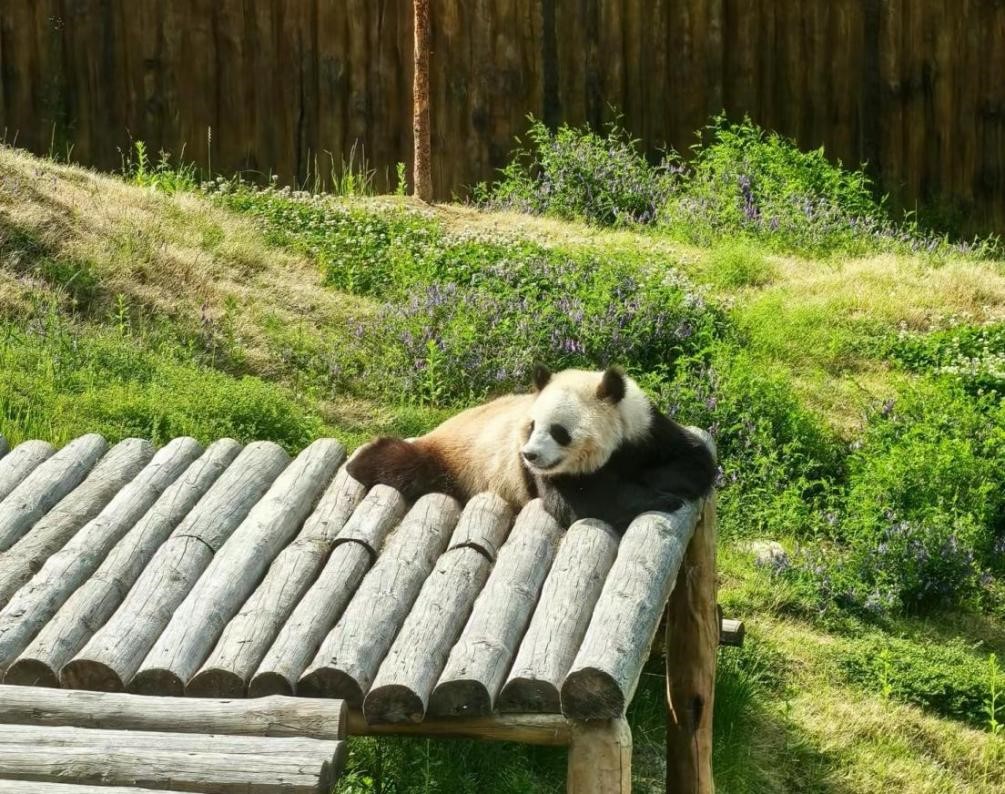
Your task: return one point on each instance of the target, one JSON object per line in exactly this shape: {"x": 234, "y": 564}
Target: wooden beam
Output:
{"x": 692, "y": 641}
{"x": 600, "y": 758}
{"x": 731, "y": 633}
{"x": 552, "y": 730}
{"x": 313, "y": 718}
{"x": 38, "y": 787}
{"x": 20, "y": 462}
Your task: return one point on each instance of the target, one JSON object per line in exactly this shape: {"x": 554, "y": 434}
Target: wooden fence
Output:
{"x": 914, "y": 87}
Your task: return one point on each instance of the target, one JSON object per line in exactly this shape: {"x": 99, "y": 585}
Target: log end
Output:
{"x": 592, "y": 694}
{"x": 392, "y": 703}
{"x": 91, "y": 675}
{"x": 529, "y": 696}
{"x": 215, "y": 683}
{"x": 269, "y": 684}
{"x": 460, "y": 698}
{"x": 31, "y": 672}
{"x": 327, "y": 682}
{"x": 157, "y": 681}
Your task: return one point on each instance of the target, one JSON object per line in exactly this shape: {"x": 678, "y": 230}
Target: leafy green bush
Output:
{"x": 946, "y": 677}
{"x": 574, "y": 173}
{"x": 919, "y": 520}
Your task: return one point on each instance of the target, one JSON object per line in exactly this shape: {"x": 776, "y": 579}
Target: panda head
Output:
{"x": 579, "y": 418}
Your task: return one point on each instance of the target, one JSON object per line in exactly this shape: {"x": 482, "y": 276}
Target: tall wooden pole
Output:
{"x": 421, "y": 174}
{"x": 692, "y": 640}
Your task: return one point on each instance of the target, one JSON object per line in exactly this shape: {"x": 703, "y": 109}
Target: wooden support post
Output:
{"x": 692, "y": 640}
{"x": 600, "y": 757}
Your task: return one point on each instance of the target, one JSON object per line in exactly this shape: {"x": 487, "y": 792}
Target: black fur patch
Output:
{"x": 410, "y": 469}
{"x": 612, "y": 385}
{"x": 542, "y": 376}
{"x": 659, "y": 472}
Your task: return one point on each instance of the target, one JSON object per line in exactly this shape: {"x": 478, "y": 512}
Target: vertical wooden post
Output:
{"x": 422, "y": 171}
{"x": 600, "y": 757}
{"x": 692, "y": 641}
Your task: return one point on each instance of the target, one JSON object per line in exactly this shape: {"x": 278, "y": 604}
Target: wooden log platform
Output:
{"x": 230, "y": 572}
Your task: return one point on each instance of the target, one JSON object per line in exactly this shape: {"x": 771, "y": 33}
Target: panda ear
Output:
{"x": 542, "y": 376}
{"x": 612, "y": 385}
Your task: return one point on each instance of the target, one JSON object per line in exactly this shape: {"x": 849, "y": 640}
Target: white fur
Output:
{"x": 597, "y": 426}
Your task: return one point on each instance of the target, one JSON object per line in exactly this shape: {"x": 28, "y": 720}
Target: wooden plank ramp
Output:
{"x": 228, "y": 572}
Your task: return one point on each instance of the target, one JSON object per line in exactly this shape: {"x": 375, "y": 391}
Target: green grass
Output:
{"x": 840, "y": 387}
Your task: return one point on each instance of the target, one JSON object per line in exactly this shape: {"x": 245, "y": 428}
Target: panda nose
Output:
{"x": 530, "y": 457}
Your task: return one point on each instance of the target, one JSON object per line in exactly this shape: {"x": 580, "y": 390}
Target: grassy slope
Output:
{"x": 205, "y": 315}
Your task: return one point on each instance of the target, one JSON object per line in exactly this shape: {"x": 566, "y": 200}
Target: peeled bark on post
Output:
{"x": 692, "y": 641}
{"x": 422, "y": 171}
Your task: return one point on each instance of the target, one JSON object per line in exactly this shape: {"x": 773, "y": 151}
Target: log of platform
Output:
{"x": 549, "y": 730}
{"x": 111, "y": 657}
{"x": 314, "y": 718}
{"x": 46, "y": 485}
{"x": 311, "y": 619}
{"x": 234, "y": 571}
{"x": 478, "y": 663}
{"x": 483, "y": 525}
{"x": 605, "y": 672}
{"x": 183, "y": 761}
{"x": 20, "y": 462}
{"x": 38, "y": 787}
{"x": 35, "y": 603}
{"x": 348, "y": 659}
{"x": 561, "y": 618}
{"x": 96, "y": 599}
{"x": 111, "y": 474}
{"x": 246, "y": 639}
{"x": 692, "y": 642}
{"x": 405, "y": 680}
{"x": 731, "y": 632}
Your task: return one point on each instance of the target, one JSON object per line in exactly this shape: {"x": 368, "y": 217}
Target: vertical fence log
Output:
{"x": 235, "y": 570}
{"x": 20, "y": 462}
{"x": 422, "y": 173}
{"x": 692, "y": 641}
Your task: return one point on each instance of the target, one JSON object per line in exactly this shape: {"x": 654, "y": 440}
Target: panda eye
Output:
{"x": 560, "y": 434}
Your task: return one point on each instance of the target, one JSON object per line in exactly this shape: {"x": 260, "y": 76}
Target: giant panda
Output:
{"x": 589, "y": 444}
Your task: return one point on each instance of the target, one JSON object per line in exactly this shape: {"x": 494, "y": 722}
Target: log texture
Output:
{"x": 477, "y": 666}
{"x": 249, "y": 634}
{"x": 35, "y": 603}
{"x": 401, "y": 690}
{"x": 692, "y": 642}
{"x": 869, "y": 80}
{"x": 235, "y": 569}
{"x": 731, "y": 632}
{"x": 348, "y": 659}
{"x": 600, "y": 758}
{"x": 38, "y": 787}
{"x": 561, "y": 618}
{"x": 46, "y": 485}
{"x": 97, "y": 599}
{"x": 20, "y": 462}
{"x": 183, "y": 761}
{"x": 549, "y": 730}
{"x": 311, "y": 620}
{"x": 112, "y": 656}
{"x": 605, "y": 672}
{"x": 106, "y": 479}
{"x": 313, "y": 718}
